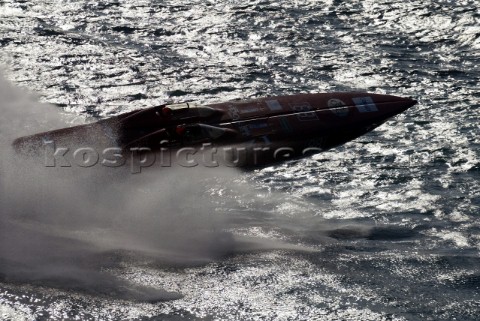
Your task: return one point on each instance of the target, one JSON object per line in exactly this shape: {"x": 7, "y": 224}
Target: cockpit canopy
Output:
{"x": 198, "y": 133}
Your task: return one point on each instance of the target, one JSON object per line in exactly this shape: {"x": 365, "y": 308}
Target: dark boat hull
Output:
{"x": 265, "y": 130}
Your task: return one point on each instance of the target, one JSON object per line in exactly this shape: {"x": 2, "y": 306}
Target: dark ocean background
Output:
{"x": 386, "y": 227}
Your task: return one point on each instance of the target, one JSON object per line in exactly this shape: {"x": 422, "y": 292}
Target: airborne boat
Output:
{"x": 253, "y": 132}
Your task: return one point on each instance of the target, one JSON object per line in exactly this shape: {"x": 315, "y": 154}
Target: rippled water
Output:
{"x": 388, "y": 224}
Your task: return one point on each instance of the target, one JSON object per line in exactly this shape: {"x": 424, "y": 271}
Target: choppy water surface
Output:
{"x": 383, "y": 228}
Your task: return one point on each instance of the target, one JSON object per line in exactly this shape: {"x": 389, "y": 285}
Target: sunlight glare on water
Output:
{"x": 383, "y": 228}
